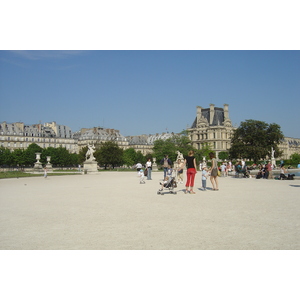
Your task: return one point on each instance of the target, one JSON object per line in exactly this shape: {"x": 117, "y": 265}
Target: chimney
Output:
{"x": 199, "y": 112}
{"x": 226, "y": 113}
{"x": 211, "y": 113}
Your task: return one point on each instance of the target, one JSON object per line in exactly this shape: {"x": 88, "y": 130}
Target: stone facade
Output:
{"x": 213, "y": 126}
{"x": 97, "y": 135}
{"x": 289, "y": 146}
{"x": 20, "y": 136}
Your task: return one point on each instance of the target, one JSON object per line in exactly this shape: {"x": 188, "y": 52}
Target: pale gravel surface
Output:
{"x": 112, "y": 210}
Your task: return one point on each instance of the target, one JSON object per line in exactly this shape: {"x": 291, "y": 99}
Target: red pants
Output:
{"x": 190, "y": 173}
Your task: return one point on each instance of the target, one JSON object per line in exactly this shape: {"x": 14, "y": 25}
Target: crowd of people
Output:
{"x": 265, "y": 171}
{"x": 191, "y": 170}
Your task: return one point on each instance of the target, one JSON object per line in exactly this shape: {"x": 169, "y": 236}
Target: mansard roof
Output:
{"x": 218, "y": 118}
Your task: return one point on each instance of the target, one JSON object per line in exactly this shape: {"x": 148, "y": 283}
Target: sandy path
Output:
{"x": 113, "y": 211}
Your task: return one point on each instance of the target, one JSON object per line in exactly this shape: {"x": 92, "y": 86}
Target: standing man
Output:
{"x": 149, "y": 169}
{"x": 269, "y": 168}
{"x": 166, "y": 162}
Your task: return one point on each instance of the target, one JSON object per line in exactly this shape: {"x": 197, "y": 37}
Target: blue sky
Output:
{"x": 148, "y": 92}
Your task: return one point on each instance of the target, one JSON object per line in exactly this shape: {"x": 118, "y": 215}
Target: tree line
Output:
{"x": 252, "y": 140}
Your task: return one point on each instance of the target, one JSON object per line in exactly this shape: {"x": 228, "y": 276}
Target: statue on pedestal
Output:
{"x": 89, "y": 156}
{"x": 90, "y": 164}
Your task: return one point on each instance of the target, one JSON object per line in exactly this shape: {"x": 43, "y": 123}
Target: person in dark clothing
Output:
{"x": 190, "y": 162}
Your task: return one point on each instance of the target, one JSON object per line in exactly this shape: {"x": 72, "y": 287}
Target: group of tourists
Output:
{"x": 191, "y": 170}
{"x": 265, "y": 171}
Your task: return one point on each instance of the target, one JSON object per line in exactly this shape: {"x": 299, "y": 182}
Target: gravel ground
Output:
{"x": 111, "y": 210}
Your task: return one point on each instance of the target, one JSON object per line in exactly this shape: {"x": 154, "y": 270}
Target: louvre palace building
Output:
{"x": 211, "y": 125}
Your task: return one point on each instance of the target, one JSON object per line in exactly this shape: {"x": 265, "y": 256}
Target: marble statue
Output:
{"x": 179, "y": 156}
{"x": 90, "y": 153}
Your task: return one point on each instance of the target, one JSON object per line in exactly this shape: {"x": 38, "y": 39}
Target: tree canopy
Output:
{"x": 109, "y": 153}
{"x": 180, "y": 143}
{"x": 254, "y": 140}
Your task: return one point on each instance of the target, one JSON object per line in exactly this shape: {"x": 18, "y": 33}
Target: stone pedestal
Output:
{"x": 38, "y": 167}
{"x": 154, "y": 165}
{"x": 90, "y": 167}
{"x": 49, "y": 165}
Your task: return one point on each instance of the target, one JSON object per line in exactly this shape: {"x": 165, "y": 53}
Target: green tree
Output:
{"x": 29, "y": 154}
{"x": 50, "y": 151}
{"x": 129, "y": 157}
{"x": 162, "y": 148}
{"x": 18, "y": 157}
{"x": 223, "y": 155}
{"x": 254, "y": 140}
{"x": 295, "y": 159}
{"x": 140, "y": 157}
{"x": 6, "y": 158}
{"x": 170, "y": 147}
{"x": 63, "y": 157}
{"x": 203, "y": 152}
{"x": 109, "y": 154}
{"x": 81, "y": 155}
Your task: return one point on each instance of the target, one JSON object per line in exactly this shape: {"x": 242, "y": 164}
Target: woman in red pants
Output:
{"x": 190, "y": 162}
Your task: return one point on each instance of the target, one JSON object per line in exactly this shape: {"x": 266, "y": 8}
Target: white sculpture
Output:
{"x": 179, "y": 155}
{"x": 273, "y": 151}
{"x": 273, "y": 161}
{"x": 89, "y": 154}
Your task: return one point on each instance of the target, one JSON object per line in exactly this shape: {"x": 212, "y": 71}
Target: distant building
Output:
{"x": 145, "y": 142}
{"x": 213, "y": 126}
{"x": 20, "y": 136}
{"x": 98, "y": 135}
{"x": 289, "y": 146}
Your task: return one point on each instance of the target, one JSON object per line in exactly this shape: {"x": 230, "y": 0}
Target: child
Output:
{"x": 163, "y": 183}
{"x": 141, "y": 175}
{"x": 205, "y": 174}
{"x": 170, "y": 171}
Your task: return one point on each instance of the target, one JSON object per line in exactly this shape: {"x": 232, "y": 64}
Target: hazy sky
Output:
{"x": 148, "y": 92}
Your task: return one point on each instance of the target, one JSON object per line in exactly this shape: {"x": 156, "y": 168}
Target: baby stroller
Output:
{"x": 169, "y": 184}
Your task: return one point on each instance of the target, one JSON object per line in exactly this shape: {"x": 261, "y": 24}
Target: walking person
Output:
{"x": 270, "y": 170}
{"x": 149, "y": 169}
{"x": 214, "y": 171}
{"x": 223, "y": 169}
{"x": 190, "y": 161}
{"x": 45, "y": 173}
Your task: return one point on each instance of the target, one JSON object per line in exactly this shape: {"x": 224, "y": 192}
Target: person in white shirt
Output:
{"x": 149, "y": 169}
